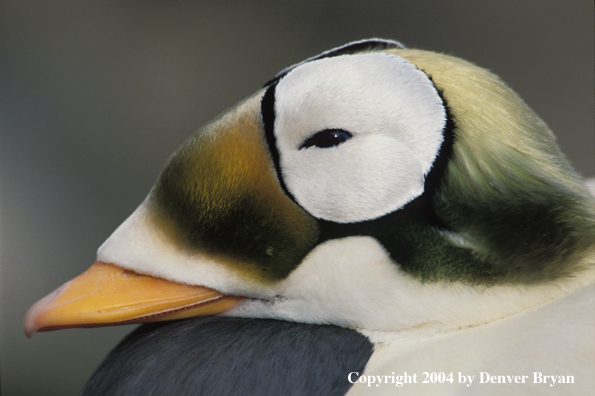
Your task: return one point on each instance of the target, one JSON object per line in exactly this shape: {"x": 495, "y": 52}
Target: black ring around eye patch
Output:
{"x": 327, "y": 138}
{"x": 374, "y": 44}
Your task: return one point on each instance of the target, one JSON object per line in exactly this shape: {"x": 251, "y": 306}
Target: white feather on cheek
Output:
{"x": 396, "y": 119}
{"x": 371, "y": 175}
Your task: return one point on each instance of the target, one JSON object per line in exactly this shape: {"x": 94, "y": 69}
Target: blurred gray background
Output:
{"x": 94, "y": 97}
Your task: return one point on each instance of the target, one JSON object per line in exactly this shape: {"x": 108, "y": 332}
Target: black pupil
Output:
{"x": 327, "y": 138}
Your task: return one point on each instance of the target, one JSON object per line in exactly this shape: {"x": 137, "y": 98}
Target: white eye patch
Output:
{"x": 393, "y": 120}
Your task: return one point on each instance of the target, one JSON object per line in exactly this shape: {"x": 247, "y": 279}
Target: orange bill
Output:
{"x": 107, "y": 295}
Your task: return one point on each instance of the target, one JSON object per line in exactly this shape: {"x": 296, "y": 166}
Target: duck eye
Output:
{"x": 327, "y": 138}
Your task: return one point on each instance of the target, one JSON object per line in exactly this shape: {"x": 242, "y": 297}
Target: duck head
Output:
{"x": 372, "y": 187}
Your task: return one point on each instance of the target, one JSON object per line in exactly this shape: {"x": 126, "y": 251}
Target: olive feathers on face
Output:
{"x": 327, "y": 138}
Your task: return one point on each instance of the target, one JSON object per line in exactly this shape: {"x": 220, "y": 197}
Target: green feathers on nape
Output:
{"x": 509, "y": 195}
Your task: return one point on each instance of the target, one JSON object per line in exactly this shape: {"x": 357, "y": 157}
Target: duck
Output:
{"x": 374, "y": 219}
